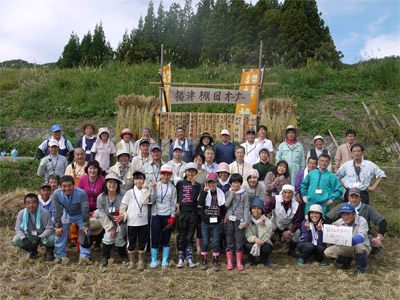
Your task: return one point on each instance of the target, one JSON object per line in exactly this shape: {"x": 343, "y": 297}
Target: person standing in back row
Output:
{"x": 187, "y": 146}
{"x": 86, "y": 142}
{"x": 225, "y": 151}
{"x": 343, "y": 153}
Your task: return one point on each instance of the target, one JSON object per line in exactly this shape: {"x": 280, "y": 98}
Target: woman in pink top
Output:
{"x": 103, "y": 150}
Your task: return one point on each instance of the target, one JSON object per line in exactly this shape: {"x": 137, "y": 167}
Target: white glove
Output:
{"x": 255, "y": 250}
{"x": 44, "y": 161}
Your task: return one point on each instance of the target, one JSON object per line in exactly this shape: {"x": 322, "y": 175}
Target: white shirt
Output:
{"x": 137, "y": 206}
{"x": 251, "y": 153}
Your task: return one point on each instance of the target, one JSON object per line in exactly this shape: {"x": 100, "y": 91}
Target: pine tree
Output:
{"x": 148, "y": 27}
{"x": 101, "y": 50}
{"x": 123, "y": 47}
{"x": 159, "y": 25}
{"x": 71, "y": 55}
{"x": 269, "y": 32}
{"x": 86, "y": 49}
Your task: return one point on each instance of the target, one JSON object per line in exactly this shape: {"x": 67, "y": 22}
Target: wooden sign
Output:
{"x": 188, "y": 95}
{"x": 341, "y": 235}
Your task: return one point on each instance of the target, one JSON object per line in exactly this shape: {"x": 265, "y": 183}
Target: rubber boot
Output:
{"x": 106, "y": 255}
{"x": 181, "y": 259}
{"x": 204, "y": 260}
{"x": 292, "y": 249}
{"x": 49, "y": 256}
{"x": 250, "y": 260}
{"x": 122, "y": 254}
{"x": 239, "y": 265}
{"x": 361, "y": 263}
{"x": 131, "y": 257}
{"x": 153, "y": 263}
{"x": 229, "y": 260}
{"x": 215, "y": 262}
{"x": 189, "y": 257}
{"x": 345, "y": 261}
{"x": 198, "y": 246}
{"x": 140, "y": 266}
{"x": 165, "y": 255}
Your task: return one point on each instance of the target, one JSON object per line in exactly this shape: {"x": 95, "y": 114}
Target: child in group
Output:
{"x": 188, "y": 191}
{"x": 212, "y": 204}
{"x": 126, "y": 142}
{"x": 258, "y": 234}
{"x": 223, "y": 177}
{"x": 178, "y": 166}
{"x": 252, "y": 186}
{"x": 239, "y": 166}
{"x": 103, "y": 150}
{"x": 263, "y": 166}
{"x": 237, "y": 208}
{"x": 163, "y": 198}
{"x": 133, "y": 211}
{"x": 310, "y": 242}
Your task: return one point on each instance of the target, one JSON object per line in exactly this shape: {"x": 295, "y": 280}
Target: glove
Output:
{"x": 44, "y": 161}
{"x": 26, "y": 244}
{"x": 171, "y": 221}
{"x": 35, "y": 243}
{"x": 358, "y": 239}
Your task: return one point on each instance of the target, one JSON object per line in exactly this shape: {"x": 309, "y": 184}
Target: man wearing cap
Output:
{"x": 152, "y": 170}
{"x": 225, "y": 150}
{"x": 360, "y": 248}
{"x": 318, "y": 150}
{"x": 292, "y": 151}
{"x": 126, "y": 142}
{"x": 64, "y": 146}
{"x": 54, "y": 163}
{"x": 70, "y": 205}
{"x": 146, "y": 135}
{"x": 45, "y": 200}
{"x": 86, "y": 142}
{"x": 186, "y": 145}
{"x": 343, "y": 153}
{"x": 321, "y": 186}
{"x": 263, "y": 166}
{"x": 368, "y": 213}
{"x": 177, "y": 165}
{"x": 358, "y": 173}
{"x": 143, "y": 159}
{"x": 123, "y": 169}
{"x": 251, "y": 150}
{"x": 34, "y": 228}
{"x": 77, "y": 169}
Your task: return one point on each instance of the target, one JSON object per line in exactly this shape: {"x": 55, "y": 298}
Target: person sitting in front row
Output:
{"x": 34, "y": 228}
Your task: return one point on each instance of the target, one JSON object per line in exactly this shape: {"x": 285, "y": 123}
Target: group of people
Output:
{"x": 243, "y": 199}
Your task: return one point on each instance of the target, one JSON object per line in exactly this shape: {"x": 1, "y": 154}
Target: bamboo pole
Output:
{"x": 333, "y": 138}
{"x": 161, "y": 92}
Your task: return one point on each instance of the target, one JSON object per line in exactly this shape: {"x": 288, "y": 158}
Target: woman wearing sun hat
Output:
{"x": 126, "y": 143}
{"x": 89, "y": 129}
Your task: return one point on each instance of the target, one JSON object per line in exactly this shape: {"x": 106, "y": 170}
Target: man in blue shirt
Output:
{"x": 187, "y": 146}
{"x": 225, "y": 150}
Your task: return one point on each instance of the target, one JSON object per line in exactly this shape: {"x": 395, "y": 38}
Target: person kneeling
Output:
{"x": 33, "y": 228}
{"x": 311, "y": 240}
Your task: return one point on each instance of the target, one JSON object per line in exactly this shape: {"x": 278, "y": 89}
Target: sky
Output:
{"x": 38, "y": 30}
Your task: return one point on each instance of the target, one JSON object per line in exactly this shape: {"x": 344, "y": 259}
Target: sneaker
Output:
{"x": 180, "y": 263}
{"x": 358, "y": 272}
{"x": 300, "y": 261}
{"x": 191, "y": 264}
{"x": 268, "y": 263}
{"x": 323, "y": 263}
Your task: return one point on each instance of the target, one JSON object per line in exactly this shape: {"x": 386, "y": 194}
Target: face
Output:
{"x": 31, "y": 204}
{"x": 67, "y": 187}
{"x": 89, "y": 130}
{"x": 262, "y": 133}
{"x": 206, "y": 141}
{"x": 45, "y": 193}
{"x": 165, "y": 177}
{"x": 264, "y": 156}
{"x": 311, "y": 164}
{"x": 356, "y": 153}
{"x": 323, "y": 163}
{"x": 350, "y": 138}
{"x": 198, "y": 161}
{"x": 348, "y": 218}
{"x": 112, "y": 185}
{"x": 177, "y": 154}
{"x": 239, "y": 154}
{"x": 210, "y": 155}
{"x": 318, "y": 144}
{"x": 93, "y": 171}
{"x": 144, "y": 148}
{"x": 251, "y": 137}
{"x": 127, "y": 137}
{"x": 123, "y": 159}
{"x": 146, "y": 134}
{"x": 212, "y": 185}
{"x": 156, "y": 154}
{"x": 138, "y": 182}
{"x": 180, "y": 134}
{"x": 252, "y": 181}
{"x": 315, "y": 217}
{"x": 287, "y": 196}
{"x": 54, "y": 184}
{"x": 223, "y": 175}
{"x": 53, "y": 150}
{"x": 79, "y": 155}
{"x": 104, "y": 136}
{"x": 291, "y": 135}
{"x": 236, "y": 185}
{"x": 256, "y": 212}
{"x": 225, "y": 138}
{"x": 281, "y": 169}
{"x": 191, "y": 174}
{"x": 56, "y": 134}
{"x": 354, "y": 199}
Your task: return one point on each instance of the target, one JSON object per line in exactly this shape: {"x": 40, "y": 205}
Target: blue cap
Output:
{"x": 347, "y": 208}
{"x": 258, "y": 202}
{"x": 56, "y": 127}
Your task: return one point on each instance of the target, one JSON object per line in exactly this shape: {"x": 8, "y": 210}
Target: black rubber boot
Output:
{"x": 106, "y": 255}
{"x": 49, "y": 256}
{"x": 345, "y": 261}
{"x": 204, "y": 262}
{"x": 361, "y": 263}
{"x": 122, "y": 254}
{"x": 215, "y": 263}
{"x": 250, "y": 260}
{"x": 292, "y": 249}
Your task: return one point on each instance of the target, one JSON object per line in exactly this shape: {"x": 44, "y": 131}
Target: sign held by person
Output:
{"x": 188, "y": 95}
{"x": 341, "y": 235}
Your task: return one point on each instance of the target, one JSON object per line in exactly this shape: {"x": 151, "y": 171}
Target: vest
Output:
{"x": 62, "y": 152}
{"x": 313, "y": 153}
{"x": 280, "y": 218}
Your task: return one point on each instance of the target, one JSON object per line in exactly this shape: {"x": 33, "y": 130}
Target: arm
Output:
{"x": 269, "y": 182}
{"x": 296, "y": 222}
{"x": 92, "y": 155}
{"x": 337, "y": 188}
{"x": 270, "y": 206}
{"x": 375, "y": 185}
{"x": 338, "y": 158}
{"x": 306, "y": 233}
{"x": 47, "y": 223}
{"x": 250, "y": 237}
{"x": 304, "y": 186}
{"x": 85, "y": 210}
{"x": 303, "y": 161}
{"x": 145, "y": 196}
{"x": 333, "y": 215}
{"x": 57, "y": 211}
{"x": 170, "y": 157}
{"x": 18, "y": 231}
{"x": 202, "y": 199}
{"x": 228, "y": 199}
{"x": 173, "y": 201}
{"x": 39, "y": 154}
{"x": 111, "y": 159}
{"x": 246, "y": 203}
{"x": 41, "y": 169}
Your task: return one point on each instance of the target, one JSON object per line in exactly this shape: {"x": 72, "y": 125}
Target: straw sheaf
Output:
{"x": 13, "y": 202}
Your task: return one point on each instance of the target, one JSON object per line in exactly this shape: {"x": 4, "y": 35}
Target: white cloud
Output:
{"x": 381, "y": 46}
{"x": 351, "y": 40}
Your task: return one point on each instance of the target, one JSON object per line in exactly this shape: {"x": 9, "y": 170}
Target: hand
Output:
{"x": 244, "y": 225}
{"x": 376, "y": 242}
{"x": 233, "y": 190}
{"x": 59, "y": 231}
{"x": 171, "y": 221}
{"x": 286, "y": 235}
{"x": 153, "y": 184}
{"x": 177, "y": 208}
{"x": 206, "y": 188}
{"x": 336, "y": 224}
{"x": 307, "y": 225}
{"x": 298, "y": 198}
{"x": 44, "y": 161}
{"x": 193, "y": 180}
{"x": 119, "y": 218}
{"x": 35, "y": 243}
{"x": 26, "y": 244}
{"x": 85, "y": 229}
{"x": 262, "y": 224}
{"x": 113, "y": 233}
{"x": 319, "y": 225}
{"x": 258, "y": 241}
{"x": 276, "y": 180}
{"x": 371, "y": 188}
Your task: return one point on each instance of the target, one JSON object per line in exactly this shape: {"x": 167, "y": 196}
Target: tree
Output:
{"x": 148, "y": 27}
{"x": 101, "y": 50}
{"x": 71, "y": 55}
{"x": 159, "y": 24}
{"x": 86, "y": 49}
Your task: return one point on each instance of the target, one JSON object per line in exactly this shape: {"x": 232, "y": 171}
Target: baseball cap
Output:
{"x": 144, "y": 141}
{"x": 177, "y": 147}
{"x": 166, "y": 169}
{"x": 119, "y": 152}
{"x": 225, "y": 131}
{"x": 155, "y": 146}
{"x": 263, "y": 149}
{"x": 212, "y": 177}
{"x": 318, "y": 137}
{"x": 191, "y": 166}
{"x": 53, "y": 142}
{"x": 347, "y": 208}
{"x": 44, "y": 184}
{"x": 355, "y": 191}
{"x": 56, "y": 127}
{"x": 252, "y": 131}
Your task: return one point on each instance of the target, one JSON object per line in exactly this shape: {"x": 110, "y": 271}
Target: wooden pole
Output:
{"x": 333, "y": 138}
{"x": 260, "y": 76}
{"x": 161, "y": 93}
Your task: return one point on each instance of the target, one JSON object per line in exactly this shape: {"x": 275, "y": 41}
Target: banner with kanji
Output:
{"x": 167, "y": 79}
{"x": 249, "y": 77}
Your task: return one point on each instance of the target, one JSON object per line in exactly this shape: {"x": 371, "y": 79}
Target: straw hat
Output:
{"x": 95, "y": 226}
{"x": 88, "y": 123}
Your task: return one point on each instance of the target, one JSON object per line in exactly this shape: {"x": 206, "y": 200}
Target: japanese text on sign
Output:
{"x": 185, "y": 95}
{"x": 341, "y": 235}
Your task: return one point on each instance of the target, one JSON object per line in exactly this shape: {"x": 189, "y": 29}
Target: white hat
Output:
{"x": 288, "y": 187}
{"x": 166, "y": 169}
{"x": 177, "y": 147}
{"x": 191, "y": 166}
{"x": 114, "y": 176}
{"x": 53, "y": 142}
{"x": 318, "y": 137}
{"x": 225, "y": 131}
{"x": 119, "y": 152}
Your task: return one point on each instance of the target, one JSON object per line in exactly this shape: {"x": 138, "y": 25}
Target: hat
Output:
{"x": 191, "y": 166}
{"x": 166, "y": 169}
{"x": 288, "y": 187}
{"x": 253, "y": 172}
{"x": 104, "y": 129}
{"x": 318, "y": 137}
{"x": 355, "y": 191}
{"x": 251, "y": 130}
{"x": 119, "y": 152}
{"x": 315, "y": 208}
{"x": 114, "y": 176}
{"x": 124, "y": 131}
{"x": 142, "y": 141}
{"x": 290, "y": 128}
{"x": 258, "y": 202}
{"x": 53, "y": 142}
{"x": 223, "y": 167}
{"x": 140, "y": 173}
{"x": 263, "y": 149}
{"x": 44, "y": 184}
{"x": 211, "y": 177}
{"x": 347, "y": 207}
{"x": 95, "y": 226}
{"x": 177, "y": 147}
{"x": 206, "y": 134}
{"x": 56, "y": 127}
{"x": 155, "y": 146}
{"x": 225, "y": 131}
{"x": 85, "y": 124}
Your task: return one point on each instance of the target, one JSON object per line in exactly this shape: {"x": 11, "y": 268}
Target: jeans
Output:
{"x": 232, "y": 230}
{"x": 208, "y": 230}
{"x": 308, "y": 248}
{"x": 159, "y": 236}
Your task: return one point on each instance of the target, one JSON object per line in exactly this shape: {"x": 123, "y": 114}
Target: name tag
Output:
{"x": 34, "y": 233}
{"x": 87, "y": 151}
{"x": 111, "y": 210}
{"x": 273, "y": 194}
{"x": 232, "y": 218}
{"x": 66, "y": 221}
{"x": 141, "y": 215}
{"x": 318, "y": 191}
{"x": 214, "y": 220}
{"x": 357, "y": 184}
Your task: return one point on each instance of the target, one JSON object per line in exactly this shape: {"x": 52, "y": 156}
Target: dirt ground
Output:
{"x": 21, "y": 278}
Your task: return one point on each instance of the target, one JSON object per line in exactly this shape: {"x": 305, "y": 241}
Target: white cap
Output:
{"x": 166, "y": 169}
{"x": 53, "y": 142}
{"x": 119, "y": 152}
{"x": 225, "y": 131}
{"x": 318, "y": 137}
{"x": 177, "y": 147}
